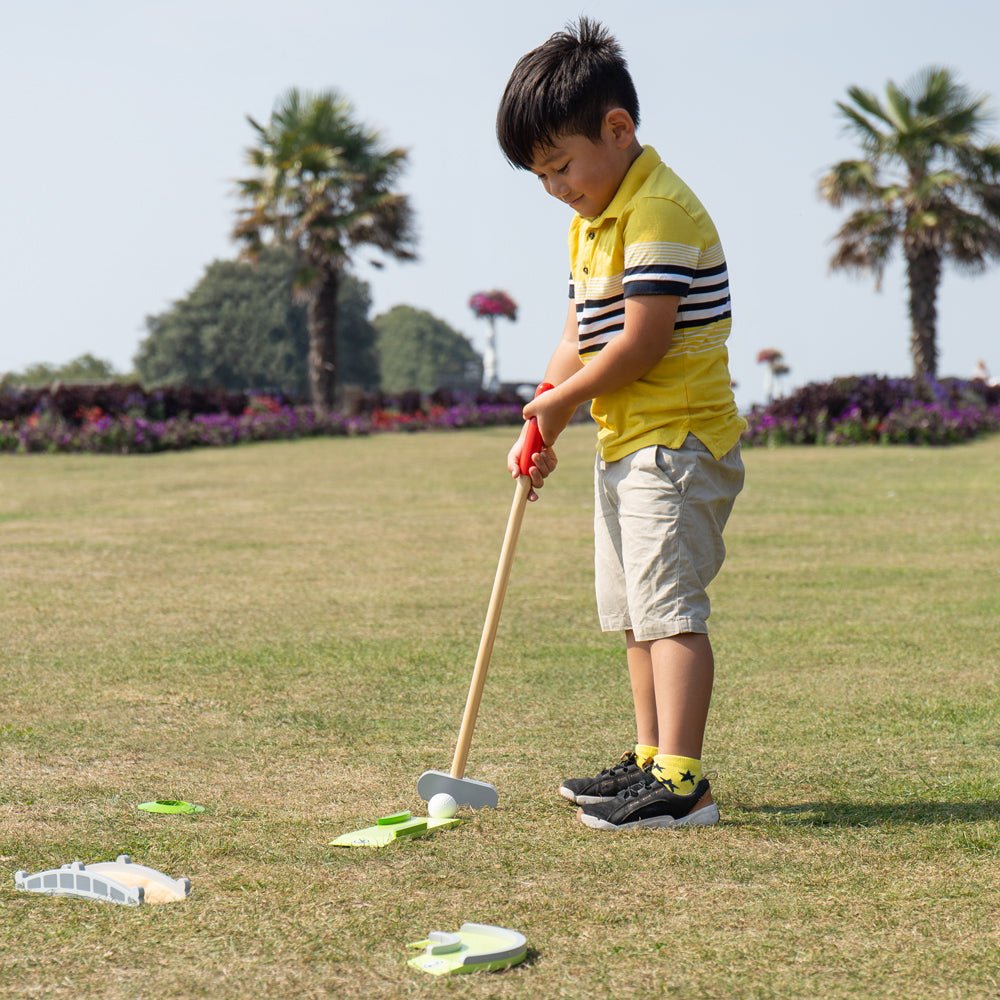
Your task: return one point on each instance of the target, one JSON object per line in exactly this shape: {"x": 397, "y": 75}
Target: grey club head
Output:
{"x": 465, "y": 791}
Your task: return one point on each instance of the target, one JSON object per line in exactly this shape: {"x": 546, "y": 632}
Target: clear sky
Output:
{"x": 124, "y": 128}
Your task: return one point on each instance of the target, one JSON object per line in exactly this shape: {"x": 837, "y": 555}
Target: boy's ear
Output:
{"x": 620, "y": 127}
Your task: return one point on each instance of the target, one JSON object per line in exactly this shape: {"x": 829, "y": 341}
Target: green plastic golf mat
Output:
{"x": 474, "y": 948}
{"x": 390, "y": 828}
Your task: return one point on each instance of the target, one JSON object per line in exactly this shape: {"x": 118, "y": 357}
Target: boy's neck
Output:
{"x": 631, "y": 155}
{"x": 628, "y": 156}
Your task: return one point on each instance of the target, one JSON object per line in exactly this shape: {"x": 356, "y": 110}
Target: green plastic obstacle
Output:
{"x": 172, "y": 806}
{"x": 474, "y": 948}
{"x": 391, "y": 828}
{"x": 119, "y": 881}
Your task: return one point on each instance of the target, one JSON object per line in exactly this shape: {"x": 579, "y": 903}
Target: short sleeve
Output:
{"x": 663, "y": 249}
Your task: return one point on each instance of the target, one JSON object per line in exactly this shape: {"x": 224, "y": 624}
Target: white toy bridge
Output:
{"x": 118, "y": 881}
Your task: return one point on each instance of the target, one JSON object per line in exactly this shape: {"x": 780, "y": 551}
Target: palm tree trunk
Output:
{"x": 923, "y": 272}
{"x": 321, "y": 320}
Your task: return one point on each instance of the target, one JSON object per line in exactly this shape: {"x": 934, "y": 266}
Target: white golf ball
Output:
{"x": 441, "y": 806}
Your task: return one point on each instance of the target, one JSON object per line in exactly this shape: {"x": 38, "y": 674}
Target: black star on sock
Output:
{"x": 687, "y": 776}
{"x": 669, "y": 784}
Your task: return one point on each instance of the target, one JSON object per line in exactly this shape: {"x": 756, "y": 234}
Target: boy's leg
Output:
{"x": 634, "y": 764}
{"x": 672, "y": 683}
{"x": 682, "y": 673}
{"x": 674, "y": 792}
{"x": 641, "y": 677}
{"x": 683, "y": 668}
{"x": 613, "y": 609}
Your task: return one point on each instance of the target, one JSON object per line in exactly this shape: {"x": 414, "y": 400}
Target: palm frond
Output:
{"x": 933, "y": 186}
{"x": 972, "y": 241}
{"x": 868, "y": 103}
{"x": 934, "y": 90}
{"x": 866, "y": 131}
{"x": 865, "y": 243}
{"x": 987, "y": 197}
{"x": 899, "y": 111}
{"x": 850, "y": 180}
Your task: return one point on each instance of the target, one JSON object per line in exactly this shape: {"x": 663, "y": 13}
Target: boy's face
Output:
{"x": 585, "y": 174}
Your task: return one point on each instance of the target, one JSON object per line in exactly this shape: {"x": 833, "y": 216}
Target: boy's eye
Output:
{"x": 563, "y": 168}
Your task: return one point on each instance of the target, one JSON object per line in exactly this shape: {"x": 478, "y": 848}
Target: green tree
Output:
{"x": 419, "y": 351}
{"x": 239, "y": 328}
{"x": 86, "y": 368}
{"x": 323, "y": 186}
{"x": 928, "y": 182}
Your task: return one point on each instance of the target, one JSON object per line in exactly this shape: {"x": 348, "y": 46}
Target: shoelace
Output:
{"x": 628, "y": 759}
{"x": 635, "y": 790}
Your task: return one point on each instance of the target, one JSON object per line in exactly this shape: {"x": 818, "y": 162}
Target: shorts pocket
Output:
{"x": 676, "y": 467}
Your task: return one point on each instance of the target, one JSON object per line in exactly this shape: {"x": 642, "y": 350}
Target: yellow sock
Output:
{"x": 680, "y": 774}
{"x": 644, "y": 754}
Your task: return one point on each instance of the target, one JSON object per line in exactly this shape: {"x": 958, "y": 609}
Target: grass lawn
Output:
{"x": 285, "y": 634}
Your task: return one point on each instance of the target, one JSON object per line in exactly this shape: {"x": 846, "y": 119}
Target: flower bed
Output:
{"x": 73, "y": 420}
{"x": 877, "y": 410}
{"x": 125, "y": 420}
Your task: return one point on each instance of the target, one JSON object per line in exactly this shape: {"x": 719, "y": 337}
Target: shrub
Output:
{"x": 98, "y": 420}
{"x": 73, "y": 403}
{"x": 876, "y": 409}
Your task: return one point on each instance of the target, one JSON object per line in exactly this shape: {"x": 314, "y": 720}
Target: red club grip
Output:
{"x": 533, "y": 442}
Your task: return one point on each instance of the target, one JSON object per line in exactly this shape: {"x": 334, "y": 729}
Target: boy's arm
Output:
{"x": 645, "y": 339}
{"x": 564, "y": 363}
{"x": 565, "y": 360}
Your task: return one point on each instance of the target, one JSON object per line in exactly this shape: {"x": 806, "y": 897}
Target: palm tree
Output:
{"x": 324, "y": 186}
{"x": 927, "y": 182}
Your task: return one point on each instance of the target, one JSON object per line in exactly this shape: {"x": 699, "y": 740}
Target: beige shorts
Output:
{"x": 658, "y": 520}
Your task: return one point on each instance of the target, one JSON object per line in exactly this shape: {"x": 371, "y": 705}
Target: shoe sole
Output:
{"x": 583, "y": 800}
{"x": 706, "y": 816}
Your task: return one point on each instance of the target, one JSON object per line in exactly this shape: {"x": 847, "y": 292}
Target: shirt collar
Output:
{"x": 643, "y": 165}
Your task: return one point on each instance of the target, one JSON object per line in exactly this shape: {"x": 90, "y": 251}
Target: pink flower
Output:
{"x": 493, "y": 303}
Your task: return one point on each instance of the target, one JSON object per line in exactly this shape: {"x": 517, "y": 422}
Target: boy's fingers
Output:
{"x": 544, "y": 462}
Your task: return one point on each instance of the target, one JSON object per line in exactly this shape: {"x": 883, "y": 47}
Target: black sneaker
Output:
{"x": 606, "y": 785}
{"x": 649, "y": 803}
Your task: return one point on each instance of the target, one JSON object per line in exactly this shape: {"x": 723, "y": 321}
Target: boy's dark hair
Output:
{"x": 563, "y": 87}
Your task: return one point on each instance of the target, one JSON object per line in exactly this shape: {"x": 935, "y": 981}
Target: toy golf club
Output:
{"x": 468, "y": 791}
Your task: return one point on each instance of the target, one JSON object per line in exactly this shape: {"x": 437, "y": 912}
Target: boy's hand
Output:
{"x": 545, "y": 462}
{"x": 552, "y": 415}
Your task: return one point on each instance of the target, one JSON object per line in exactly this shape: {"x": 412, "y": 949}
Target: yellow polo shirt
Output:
{"x": 655, "y": 238}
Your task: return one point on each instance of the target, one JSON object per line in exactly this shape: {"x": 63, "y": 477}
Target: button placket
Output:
{"x": 591, "y": 234}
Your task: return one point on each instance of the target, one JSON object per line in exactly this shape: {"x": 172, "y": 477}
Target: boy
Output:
{"x": 645, "y": 341}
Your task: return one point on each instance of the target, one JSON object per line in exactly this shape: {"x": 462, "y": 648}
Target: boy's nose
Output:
{"x": 559, "y": 189}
